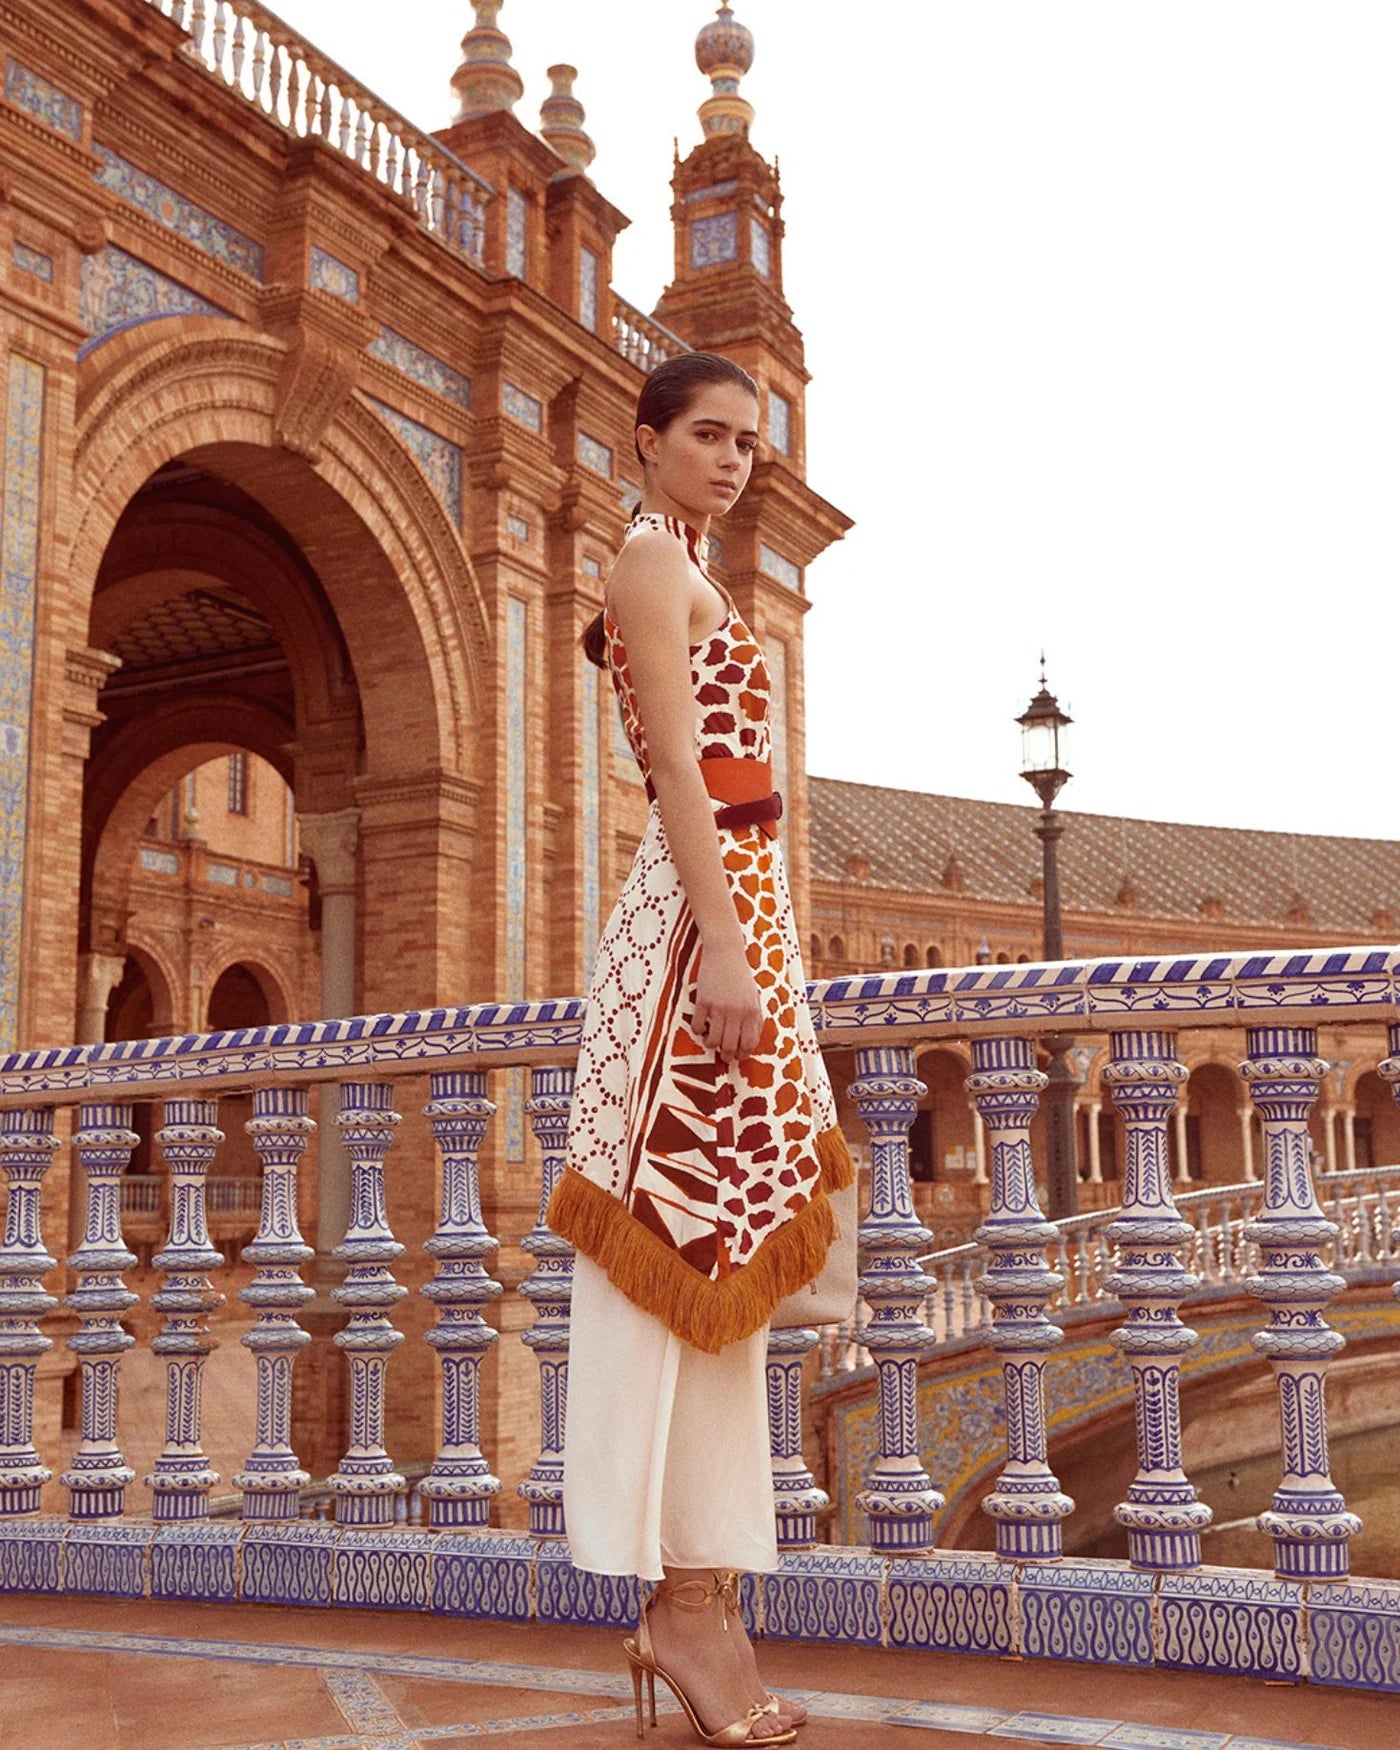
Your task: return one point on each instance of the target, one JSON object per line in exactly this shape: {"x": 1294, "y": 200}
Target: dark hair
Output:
{"x": 666, "y": 394}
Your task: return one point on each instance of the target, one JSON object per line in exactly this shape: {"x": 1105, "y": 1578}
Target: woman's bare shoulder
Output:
{"x": 652, "y": 566}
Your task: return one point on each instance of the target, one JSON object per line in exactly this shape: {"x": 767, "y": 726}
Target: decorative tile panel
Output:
{"x": 287, "y": 1564}
{"x": 116, "y": 291}
{"x": 1231, "y": 1619}
{"x": 780, "y": 422}
{"x": 438, "y": 457}
{"x": 522, "y": 408}
{"x": 773, "y": 564}
{"x": 775, "y": 655}
{"x": 517, "y": 217}
{"x": 31, "y": 1555}
{"x": 590, "y": 731}
{"x": 19, "y": 574}
{"x": 569, "y": 1594}
{"x": 962, "y": 1603}
{"x": 714, "y": 240}
{"x": 630, "y": 494}
{"x": 711, "y": 191}
{"x": 476, "y": 1575}
{"x": 33, "y": 261}
{"x": 424, "y": 367}
{"x": 588, "y": 289}
{"x": 330, "y": 274}
{"x": 172, "y": 210}
{"x": 42, "y": 99}
{"x": 1354, "y": 1635}
{"x": 825, "y": 1594}
{"x": 516, "y": 889}
{"x": 156, "y": 862}
{"x": 196, "y": 1561}
{"x": 382, "y": 1570}
{"x": 109, "y": 1560}
{"x": 595, "y": 455}
{"x": 1094, "y": 1611}
{"x": 592, "y": 567}
{"x": 517, "y": 528}
{"x": 760, "y": 247}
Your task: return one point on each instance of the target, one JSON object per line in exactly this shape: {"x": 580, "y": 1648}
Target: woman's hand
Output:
{"x": 728, "y": 1007}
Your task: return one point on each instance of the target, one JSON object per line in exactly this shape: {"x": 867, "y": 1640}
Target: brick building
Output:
{"x": 317, "y": 439}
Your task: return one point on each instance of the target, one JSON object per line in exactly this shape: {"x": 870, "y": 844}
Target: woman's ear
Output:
{"x": 647, "y": 442}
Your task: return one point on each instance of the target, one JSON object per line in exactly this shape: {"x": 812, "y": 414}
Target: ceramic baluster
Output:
{"x": 189, "y": 1139}
{"x": 899, "y": 1500}
{"x": 27, "y": 1145}
{"x": 797, "y": 1501}
{"x": 549, "y": 1289}
{"x": 1026, "y": 1503}
{"x": 1390, "y": 1072}
{"x": 102, "y": 1145}
{"x": 280, "y": 1127}
{"x": 1162, "y": 1514}
{"x": 459, "y": 1487}
{"x": 366, "y": 1484}
{"x": 1307, "y": 1519}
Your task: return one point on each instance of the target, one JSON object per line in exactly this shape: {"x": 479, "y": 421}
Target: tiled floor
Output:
{"x": 93, "y": 1675}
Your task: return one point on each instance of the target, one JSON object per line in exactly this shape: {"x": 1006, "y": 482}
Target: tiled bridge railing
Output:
{"x": 1221, "y": 1255}
{"x": 1307, "y": 1619}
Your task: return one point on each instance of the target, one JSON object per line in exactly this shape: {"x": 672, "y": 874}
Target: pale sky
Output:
{"x": 1102, "y": 305}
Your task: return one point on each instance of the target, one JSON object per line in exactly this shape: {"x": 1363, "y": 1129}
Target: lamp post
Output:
{"x": 1043, "y": 726}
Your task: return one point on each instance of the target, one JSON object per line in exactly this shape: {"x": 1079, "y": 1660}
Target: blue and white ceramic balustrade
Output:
{"x": 27, "y": 1147}
{"x": 459, "y": 1487}
{"x": 1027, "y": 1503}
{"x": 899, "y": 1499}
{"x": 103, "y": 1145}
{"x": 1308, "y": 1520}
{"x": 1163, "y": 1516}
{"x": 280, "y": 1127}
{"x": 1390, "y": 1072}
{"x": 189, "y": 1139}
{"x": 549, "y": 1288}
{"x": 365, "y": 1484}
{"x": 1194, "y": 1618}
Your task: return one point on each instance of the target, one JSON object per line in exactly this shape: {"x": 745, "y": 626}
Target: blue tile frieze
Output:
{"x": 438, "y": 457}
{"x": 33, "y": 261}
{"x": 524, "y": 409}
{"x": 171, "y": 209}
{"x": 42, "y": 99}
{"x": 714, "y": 240}
{"x": 25, "y": 385}
{"x": 413, "y": 361}
{"x": 116, "y": 291}
{"x": 328, "y": 273}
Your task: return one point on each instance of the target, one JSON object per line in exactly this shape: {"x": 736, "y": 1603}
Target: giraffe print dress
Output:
{"x": 695, "y": 1187}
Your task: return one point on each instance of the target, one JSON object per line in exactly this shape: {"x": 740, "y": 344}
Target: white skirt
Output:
{"x": 666, "y": 1450}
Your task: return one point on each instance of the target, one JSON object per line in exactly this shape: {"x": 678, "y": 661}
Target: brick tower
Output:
{"x": 727, "y": 296}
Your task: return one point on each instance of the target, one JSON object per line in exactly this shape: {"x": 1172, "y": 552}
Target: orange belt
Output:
{"x": 746, "y": 786}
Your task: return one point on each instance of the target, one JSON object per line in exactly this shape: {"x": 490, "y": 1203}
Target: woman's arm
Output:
{"x": 649, "y": 597}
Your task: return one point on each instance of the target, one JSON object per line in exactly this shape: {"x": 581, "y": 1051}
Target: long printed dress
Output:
{"x": 695, "y": 1186}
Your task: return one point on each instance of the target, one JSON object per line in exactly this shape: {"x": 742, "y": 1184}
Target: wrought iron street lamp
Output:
{"x": 1044, "y": 767}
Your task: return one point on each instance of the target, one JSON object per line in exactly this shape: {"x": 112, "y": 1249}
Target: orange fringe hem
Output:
{"x": 654, "y": 1277}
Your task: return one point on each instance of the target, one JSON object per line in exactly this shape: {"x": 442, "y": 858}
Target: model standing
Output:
{"x": 703, "y": 1135}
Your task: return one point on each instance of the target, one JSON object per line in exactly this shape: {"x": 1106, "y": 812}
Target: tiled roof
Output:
{"x": 910, "y": 839}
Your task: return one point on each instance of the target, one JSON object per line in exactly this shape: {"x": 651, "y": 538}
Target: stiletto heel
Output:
{"x": 641, "y": 1656}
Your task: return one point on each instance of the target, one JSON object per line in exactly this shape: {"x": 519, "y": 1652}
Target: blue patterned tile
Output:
{"x": 162, "y": 203}
{"x": 948, "y": 1716}
{"x": 117, "y": 291}
{"x": 438, "y": 457}
{"x": 564, "y": 1593}
{"x": 595, "y": 455}
{"x": 197, "y": 1561}
{"x": 1231, "y": 1619}
{"x": 954, "y": 1603}
{"x": 819, "y": 1596}
{"x": 522, "y": 408}
{"x": 469, "y": 1580}
{"x": 1089, "y": 1611}
{"x": 1354, "y": 1635}
{"x": 1165, "y": 1738}
{"x": 327, "y": 273}
{"x": 287, "y": 1564}
{"x": 108, "y": 1561}
{"x": 714, "y": 240}
{"x": 779, "y": 567}
{"x": 381, "y": 1570}
{"x": 424, "y": 367}
{"x": 42, "y": 99}
{"x": 32, "y": 261}
{"x": 1053, "y": 1728}
{"x": 31, "y": 1555}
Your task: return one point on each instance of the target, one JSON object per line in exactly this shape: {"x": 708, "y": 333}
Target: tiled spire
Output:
{"x": 485, "y": 81}
{"x": 561, "y": 120}
{"x": 724, "y": 53}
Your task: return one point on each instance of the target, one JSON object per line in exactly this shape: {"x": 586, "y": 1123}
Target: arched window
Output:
{"x": 814, "y": 948}
{"x": 837, "y": 949}
{"x": 911, "y": 954}
{"x": 1003, "y": 959}
{"x": 933, "y": 955}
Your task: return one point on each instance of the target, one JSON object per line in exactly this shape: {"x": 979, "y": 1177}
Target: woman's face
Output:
{"x": 703, "y": 459}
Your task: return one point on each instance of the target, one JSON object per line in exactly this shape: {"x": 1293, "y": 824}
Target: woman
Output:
{"x": 702, "y": 1136}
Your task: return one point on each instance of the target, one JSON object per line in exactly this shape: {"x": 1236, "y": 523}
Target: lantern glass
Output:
{"x": 1040, "y": 744}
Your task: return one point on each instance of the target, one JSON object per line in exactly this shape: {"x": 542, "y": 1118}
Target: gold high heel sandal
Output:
{"x": 641, "y": 1657}
{"x": 772, "y": 1704}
